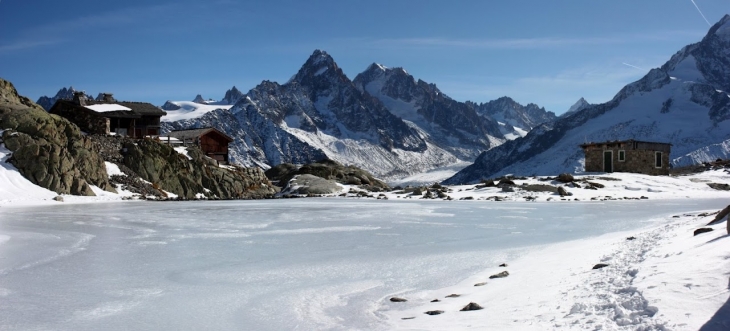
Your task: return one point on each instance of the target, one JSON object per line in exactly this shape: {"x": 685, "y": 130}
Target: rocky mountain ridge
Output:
{"x": 384, "y": 121}
{"x": 685, "y": 102}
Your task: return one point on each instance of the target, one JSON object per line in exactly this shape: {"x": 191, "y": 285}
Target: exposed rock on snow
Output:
{"x": 702, "y": 230}
{"x": 472, "y": 306}
{"x": 502, "y": 274}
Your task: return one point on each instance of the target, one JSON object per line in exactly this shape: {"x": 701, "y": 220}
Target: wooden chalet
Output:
{"x": 651, "y": 158}
{"x": 108, "y": 116}
{"x": 211, "y": 141}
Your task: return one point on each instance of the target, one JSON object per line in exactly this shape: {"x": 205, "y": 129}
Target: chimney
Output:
{"x": 80, "y": 98}
{"x": 107, "y": 97}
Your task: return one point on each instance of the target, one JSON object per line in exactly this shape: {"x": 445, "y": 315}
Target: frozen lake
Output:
{"x": 270, "y": 265}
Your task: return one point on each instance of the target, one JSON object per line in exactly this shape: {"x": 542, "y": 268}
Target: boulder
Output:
{"x": 720, "y": 187}
{"x": 311, "y": 185}
{"x": 502, "y": 274}
{"x": 503, "y": 265}
{"x": 434, "y": 312}
{"x": 453, "y": 295}
{"x": 329, "y": 170}
{"x": 539, "y": 188}
{"x": 702, "y": 230}
{"x": 480, "y": 284}
{"x": 565, "y": 178}
{"x": 600, "y": 266}
{"x": 472, "y": 306}
{"x": 397, "y": 299}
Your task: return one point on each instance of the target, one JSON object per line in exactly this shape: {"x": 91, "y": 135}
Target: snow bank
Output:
{"x": 663, "y": 278}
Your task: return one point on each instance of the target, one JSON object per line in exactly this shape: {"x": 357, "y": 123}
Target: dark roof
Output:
{"x": 143, "y": 108}
{"x": 622, "y": 142}
{"x": 195, "y": 133}
{"x": 139, "y": 109}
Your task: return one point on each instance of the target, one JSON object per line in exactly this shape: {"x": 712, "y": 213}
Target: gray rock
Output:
{"x": 58, "y": 198}
{"x": 397, "y": 299}
{"x": 472, "y": 306}
{"x": 702, "y": 230}
{"x": 453, "y": 295}
{"x": 480, "y": 284}
{"x": 502, "y": 274}
{"x": 600, "y": 266}
{"x": 565, "y": 178}
{"x": 434, "y": 312}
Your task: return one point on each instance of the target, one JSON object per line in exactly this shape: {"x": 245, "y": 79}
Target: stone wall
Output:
{"x": 87, "y": 120}
{"x": 636, "y": 160}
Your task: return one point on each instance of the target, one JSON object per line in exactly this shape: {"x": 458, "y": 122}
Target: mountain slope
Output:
{"x": 452, "y": 125}
{"x": 685, "y": 103}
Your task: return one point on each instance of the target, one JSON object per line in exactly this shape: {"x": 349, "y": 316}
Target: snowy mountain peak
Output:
{"x": 578, "y": 106}
{"x": 722, "y": 28}
{"x": 376, "y": 67}
{"x": 232, "y": 96}
{"x": 319, "y": 64}
{"x": 199, "y": 99}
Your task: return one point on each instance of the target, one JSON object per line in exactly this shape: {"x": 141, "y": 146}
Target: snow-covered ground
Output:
{"x": 334, "y": 263}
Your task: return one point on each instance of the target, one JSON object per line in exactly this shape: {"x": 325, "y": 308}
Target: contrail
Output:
{"x": 703, "y": 15}
{"x": 633, "y": 66}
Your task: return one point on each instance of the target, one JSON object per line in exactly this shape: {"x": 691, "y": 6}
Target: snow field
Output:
{"x": 664, "y": 278}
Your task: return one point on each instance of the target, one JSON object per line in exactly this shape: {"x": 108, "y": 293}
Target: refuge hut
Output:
{"x": 643, "y": 157}
{"x": 211, "y": 141}
{"x": 108, "y": 116}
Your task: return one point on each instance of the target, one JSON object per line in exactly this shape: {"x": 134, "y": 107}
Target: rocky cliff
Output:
{"x": 46, "y": 149}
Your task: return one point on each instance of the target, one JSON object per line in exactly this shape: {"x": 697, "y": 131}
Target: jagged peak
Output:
{"x": 377, "y": 67}
{"x": 722, "y": 26}
{"x": 318, "y": 57}
{"x": 199, "y": 99}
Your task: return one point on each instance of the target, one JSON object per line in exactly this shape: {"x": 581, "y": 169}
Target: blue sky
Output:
{"x": 547, "y": 52}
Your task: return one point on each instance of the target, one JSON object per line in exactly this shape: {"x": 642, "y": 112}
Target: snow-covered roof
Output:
{"x": 107, "y": 107}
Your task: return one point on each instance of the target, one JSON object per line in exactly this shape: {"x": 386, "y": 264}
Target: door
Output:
{"x": 608, "y": 161}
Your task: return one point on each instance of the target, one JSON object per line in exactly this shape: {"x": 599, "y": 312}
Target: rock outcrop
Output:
{"x": 48, "y": 150}
{"x": 330, "y": 170}
{"x": 187, "y": 177}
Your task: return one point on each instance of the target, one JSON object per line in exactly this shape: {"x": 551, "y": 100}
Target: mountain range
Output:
{"x": 685, "y": 102}
{"x": 394, "y": 125}
{"x": 384, "y": 120}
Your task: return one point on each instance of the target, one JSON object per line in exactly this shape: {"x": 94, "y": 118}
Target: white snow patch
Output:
{"x": 189, "y": 110}
{"x": 102, "y": 108}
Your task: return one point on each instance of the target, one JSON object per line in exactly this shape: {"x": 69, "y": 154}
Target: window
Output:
{"x": 621, "y": 156}
{"x": 658, "y": 159}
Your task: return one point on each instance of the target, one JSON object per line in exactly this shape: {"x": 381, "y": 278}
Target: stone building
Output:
{"x": 651, "y": 158}
{"x": 108, "y": 116}
{"x": 211, "y": 141}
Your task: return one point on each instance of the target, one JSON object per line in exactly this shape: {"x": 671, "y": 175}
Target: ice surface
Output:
{"x": 309, "y": 264}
